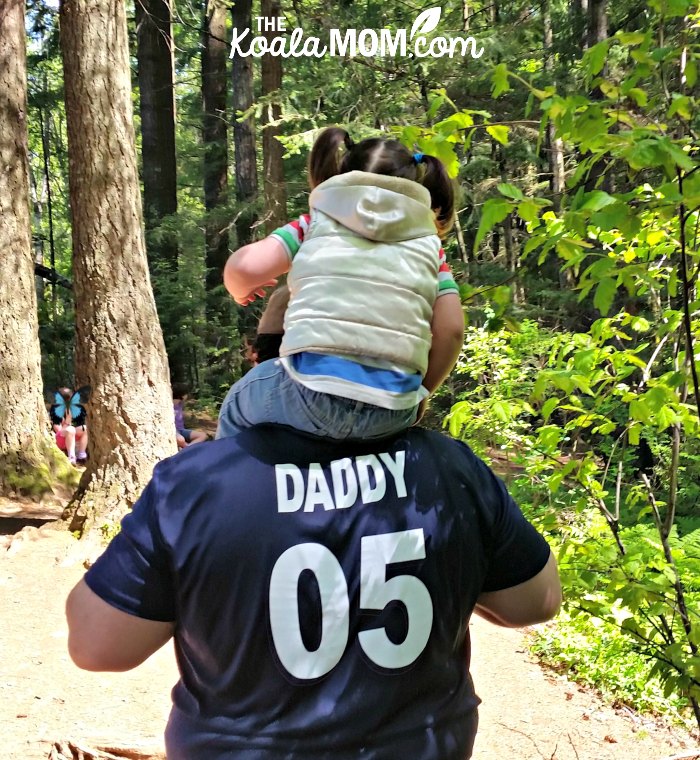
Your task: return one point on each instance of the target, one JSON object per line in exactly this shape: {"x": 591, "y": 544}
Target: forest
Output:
{"x": 139, "y": 147}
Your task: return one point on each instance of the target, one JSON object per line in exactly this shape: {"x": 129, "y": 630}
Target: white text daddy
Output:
{"x": 345, "y": 481}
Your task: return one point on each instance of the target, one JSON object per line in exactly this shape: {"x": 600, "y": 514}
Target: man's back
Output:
{"x": 321, "y": 592}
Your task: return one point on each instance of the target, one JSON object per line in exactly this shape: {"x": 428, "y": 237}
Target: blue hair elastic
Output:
{"x": 417, "y": 157}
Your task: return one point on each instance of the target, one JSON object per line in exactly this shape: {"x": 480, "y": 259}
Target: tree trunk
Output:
{"x": 275, "y": 190}
{"x": 119, "y": 344}
{"x": 214, "y": 133}
{"x": 597, "y": 32}
{"x": 512, "y": 255}
{"x": 579, "y": 11}
{"x": 244, "y": 131}
{"x": 555, "y": 146}
{"x": 26, "y": 451}
{"x": 597, "y": 21}
{"x": 154, "y": 54}
{"x": 37, "y": 237}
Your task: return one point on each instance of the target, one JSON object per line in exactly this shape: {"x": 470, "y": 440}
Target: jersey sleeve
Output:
{"x": 292, "y": 235}
{"x": 516, "y": 551}
{"x": 446, "y": 281}
{"x": 133, "y": 574}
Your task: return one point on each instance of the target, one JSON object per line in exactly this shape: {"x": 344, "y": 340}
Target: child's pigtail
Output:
{"x": 325, "y": 157}
{"x": 442, "y": 192}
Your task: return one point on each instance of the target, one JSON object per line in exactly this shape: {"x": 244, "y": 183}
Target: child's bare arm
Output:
{"x": 254, "y": 267}
{"x": 448, "y": 336}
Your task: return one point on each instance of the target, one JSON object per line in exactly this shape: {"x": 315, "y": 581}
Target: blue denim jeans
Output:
{"x": 267, "y": 394}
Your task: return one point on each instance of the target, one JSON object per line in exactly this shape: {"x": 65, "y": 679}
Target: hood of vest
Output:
{"x": 375, "y": 206}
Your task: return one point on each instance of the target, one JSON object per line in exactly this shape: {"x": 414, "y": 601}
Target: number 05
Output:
{"x": 376, "y": 554}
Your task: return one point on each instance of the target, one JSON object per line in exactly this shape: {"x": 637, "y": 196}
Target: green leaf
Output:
{"x": 495, "y": 210}
{"x": 631, "y": 38}
{"x": 681, "y": 105}
{"x": 676, "y": 154}
{"x": 499, "y": 80}
{"x": 604, "y": 295}
{"x": 638, "y": 410}
{"x": 596, "y": 200}
{"x": 442, "y": 149}
{"x": 671, "y": 8}
{"x": 691, "y": 73}
{"x": 639, "y": 96}
{"x": 633, "y": 435}
{"x": 435, "y": 105}
{"x": 643, "y": 154}
{"x": 502, "y": 410}
{"x": 611, "y": 217}
{"x": 666, "y": 417}
{"x": 499, "y": 132}
{"x": 594, "y": 58}
{"x": 528, "y": 210}
{"x": 548, "y": 407}
{"x": 510, "y": 191}
{"x": 639, "y": 324}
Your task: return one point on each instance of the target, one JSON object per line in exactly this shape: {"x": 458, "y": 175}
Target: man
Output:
{"x": 318, "y": 593}
{"x": 268, "y": 338}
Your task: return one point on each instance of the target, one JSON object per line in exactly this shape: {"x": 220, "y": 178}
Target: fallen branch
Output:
{"x": 68, "y": 750}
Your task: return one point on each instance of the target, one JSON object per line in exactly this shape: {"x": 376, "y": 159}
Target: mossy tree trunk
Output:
{"x": 28, "y": 456}
{"x": 119, "y": 343}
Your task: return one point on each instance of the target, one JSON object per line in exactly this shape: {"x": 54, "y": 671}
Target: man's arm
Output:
{"x": 531, "y": 602}
{"x": 101, "y": 637}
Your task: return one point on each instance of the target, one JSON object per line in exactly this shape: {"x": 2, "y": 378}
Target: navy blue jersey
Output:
{"x": 321, "y": 591}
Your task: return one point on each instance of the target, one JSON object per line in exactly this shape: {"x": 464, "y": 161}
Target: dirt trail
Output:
{"x": 526, "y": 714}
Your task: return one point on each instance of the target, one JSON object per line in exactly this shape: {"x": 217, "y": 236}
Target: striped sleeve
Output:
{"x": 292, "y": 235}
{"x": 446, "y": 282}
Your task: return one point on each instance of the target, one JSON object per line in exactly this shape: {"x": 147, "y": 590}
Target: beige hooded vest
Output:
{"x": 365, "y": 279}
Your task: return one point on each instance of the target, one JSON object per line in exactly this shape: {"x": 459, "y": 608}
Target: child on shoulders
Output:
{"x": 374, "y": 322}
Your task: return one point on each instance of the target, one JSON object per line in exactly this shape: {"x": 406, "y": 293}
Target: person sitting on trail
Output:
{"x": 184, "y": 436}
{"x": 69, "y": 422}
{"x": 374, "y": 322}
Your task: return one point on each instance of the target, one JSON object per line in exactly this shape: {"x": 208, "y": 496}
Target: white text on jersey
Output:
{"x": 364, "y": 477}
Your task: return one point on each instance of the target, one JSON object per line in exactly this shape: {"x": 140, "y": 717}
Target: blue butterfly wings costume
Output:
{"x": 73, "y": 406}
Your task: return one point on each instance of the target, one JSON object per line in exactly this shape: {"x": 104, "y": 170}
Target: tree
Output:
{"x": 273, "y": 164}
{"x": 157, "y": 105}
{"x": 26, "y": 452}
{"x": 119, "y": 344}
{"x": 244, "y": 130}
{"x": 214, "y": 135}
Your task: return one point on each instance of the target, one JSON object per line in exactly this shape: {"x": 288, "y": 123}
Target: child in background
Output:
{"x": 374, "y": 322}
{"x": 184, "y": 436}
{"x": 69, "y": 423}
